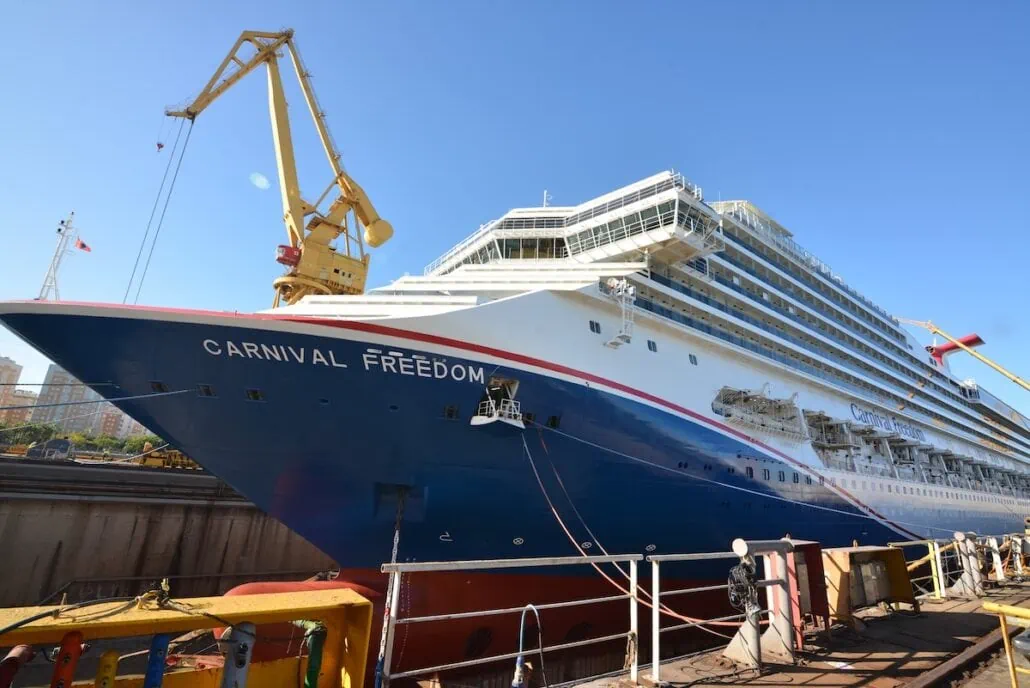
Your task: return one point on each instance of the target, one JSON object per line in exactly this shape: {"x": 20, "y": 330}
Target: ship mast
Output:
{"x": 65, "y": 235}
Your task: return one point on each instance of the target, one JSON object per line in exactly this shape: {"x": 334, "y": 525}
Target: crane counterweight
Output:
{"x": 325, "y": 254}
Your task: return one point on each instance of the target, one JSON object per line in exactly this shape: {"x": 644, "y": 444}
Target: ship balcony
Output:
{"x": 508, "y": 411}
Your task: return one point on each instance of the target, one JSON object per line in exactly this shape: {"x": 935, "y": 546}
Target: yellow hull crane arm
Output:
{"x": 936, "y": 330}
{"x": 314, "y": 265}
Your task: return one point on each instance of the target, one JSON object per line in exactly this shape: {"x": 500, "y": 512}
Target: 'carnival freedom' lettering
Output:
{"x": 888, "y": 423}
{"x": 273, "y": 352}
{"x": 417, "y": 365}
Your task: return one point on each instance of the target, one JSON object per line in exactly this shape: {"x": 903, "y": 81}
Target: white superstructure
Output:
{"x": 728, "y": 317}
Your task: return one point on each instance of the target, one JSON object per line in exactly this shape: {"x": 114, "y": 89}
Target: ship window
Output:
{"x": 595, "y": 327}
{"x": 889, "y": 488}
{"x": 782, "y": 476}
{"x": 206, "y": 391}
{"x": 797, "y": 478}
{"x": 158, "y": 387}
{"x": 693, "y": 359}
{"x": 651, "y": 346}
{"x": 255, "y": 395}
{"x": 750, "y": 472}
{"x": 808, "y": 480}
{"x": 765, "y": 473}
{"x": 553, "y": 421}
{"x": 822, "y": 480}
{"x": 450, "y": 412}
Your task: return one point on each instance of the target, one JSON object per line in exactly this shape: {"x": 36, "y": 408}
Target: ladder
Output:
{"x": 623, "y": 294}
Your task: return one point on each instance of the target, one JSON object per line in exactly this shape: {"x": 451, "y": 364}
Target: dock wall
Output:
{"x": 95, "y": 531}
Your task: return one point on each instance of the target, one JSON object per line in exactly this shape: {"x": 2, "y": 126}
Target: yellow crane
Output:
{"x": 926, "y": 324}
{"x": 314, "y": 266}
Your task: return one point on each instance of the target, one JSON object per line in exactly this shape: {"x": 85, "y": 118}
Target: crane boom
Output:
{"x": 926, "y": 324}
{"x": 314, "y": 265}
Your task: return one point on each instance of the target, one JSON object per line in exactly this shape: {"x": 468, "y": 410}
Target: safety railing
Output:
{"x": 777, "y": 576}
{"x": 959, "y": 567}
{"x": 1003, "y": 611}
{"x": 384, "y": 671}
{"x": 933, "y": 584}
{"x": 507, "y": 408}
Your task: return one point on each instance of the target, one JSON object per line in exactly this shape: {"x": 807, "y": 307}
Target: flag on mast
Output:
{"x": 82, "y": 245}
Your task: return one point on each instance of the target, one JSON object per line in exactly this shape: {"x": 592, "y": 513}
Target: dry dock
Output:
{"x": 107, "y": 530}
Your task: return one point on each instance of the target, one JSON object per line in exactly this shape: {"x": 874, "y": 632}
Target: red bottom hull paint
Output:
{"x": 442, "y": 642}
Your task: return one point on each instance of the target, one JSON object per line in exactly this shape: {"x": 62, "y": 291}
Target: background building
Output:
{"x": 9, "y": 374}
{"x": 61, "y": 388}
{"x": 135, "y": 429}
{"x": 20, "y": 397}
{"x": 112, "y": 422}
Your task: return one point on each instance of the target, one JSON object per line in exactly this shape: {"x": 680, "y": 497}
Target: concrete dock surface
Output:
{"x": 950, "y": 642}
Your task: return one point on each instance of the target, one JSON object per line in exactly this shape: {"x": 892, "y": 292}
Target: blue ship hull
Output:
{"x": 327, "y": 446}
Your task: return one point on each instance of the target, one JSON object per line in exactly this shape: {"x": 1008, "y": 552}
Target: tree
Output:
{"x": 108, "y": 443}
{"x": 134, "y": 445}
{"x": 33, "y": 432}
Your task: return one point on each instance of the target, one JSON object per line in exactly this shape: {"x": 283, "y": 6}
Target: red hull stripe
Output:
{"x": 384, "y": 330}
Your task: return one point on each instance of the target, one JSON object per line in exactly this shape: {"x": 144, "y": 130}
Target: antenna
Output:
{"x": 65, "y": 233}
{"x": 547, "y": 197}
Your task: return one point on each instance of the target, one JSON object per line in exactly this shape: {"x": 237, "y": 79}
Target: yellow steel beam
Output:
{"x": 1007, "y": 610}
{"x": 346, "y": 615}
{"x": 266, "y": 44}
{"x": 980, "y": 357}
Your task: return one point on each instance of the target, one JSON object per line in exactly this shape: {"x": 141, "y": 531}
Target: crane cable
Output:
{"x": 664, "y": 608}
{"x": 153, "y": 211}
{"x": 597, "y": 568}
{"x": 164, "y": 209}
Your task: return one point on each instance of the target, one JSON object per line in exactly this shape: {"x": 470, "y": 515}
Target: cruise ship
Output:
{"x": 643, "y": 372}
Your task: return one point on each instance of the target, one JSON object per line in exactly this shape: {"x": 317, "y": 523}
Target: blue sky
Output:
{"x": 891, "y": 138}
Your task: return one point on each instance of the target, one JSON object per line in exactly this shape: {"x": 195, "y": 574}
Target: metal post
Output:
{"x": 1016, "y": 551}
{"x": 940, "y": 579}
{"x": 107, "y": 670}
{"x": 1008, "y": 651}
{"x": 67, "y": 660}
{"x": 155, "y": 673}
{"x": 974, "y": 564}
{"x": 633, "y": 623}
{"x": 391, "y": 620}
{"x": 964, "y": 586}
{"x": 15, "y": 660}
{"x": 656, "y": 619}
{"x": 746, "y": 646}
{"x": 781, "y": 620}
{"x": 237, "y": 659}
{"x": 999, "y": 570}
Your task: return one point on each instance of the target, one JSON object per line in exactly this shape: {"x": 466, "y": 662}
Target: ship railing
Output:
{"x": 482, "y": 231}
{"x": 393, "y": 618}
{"x": 779, "y": 578}
{"x": 507, "y": 408}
